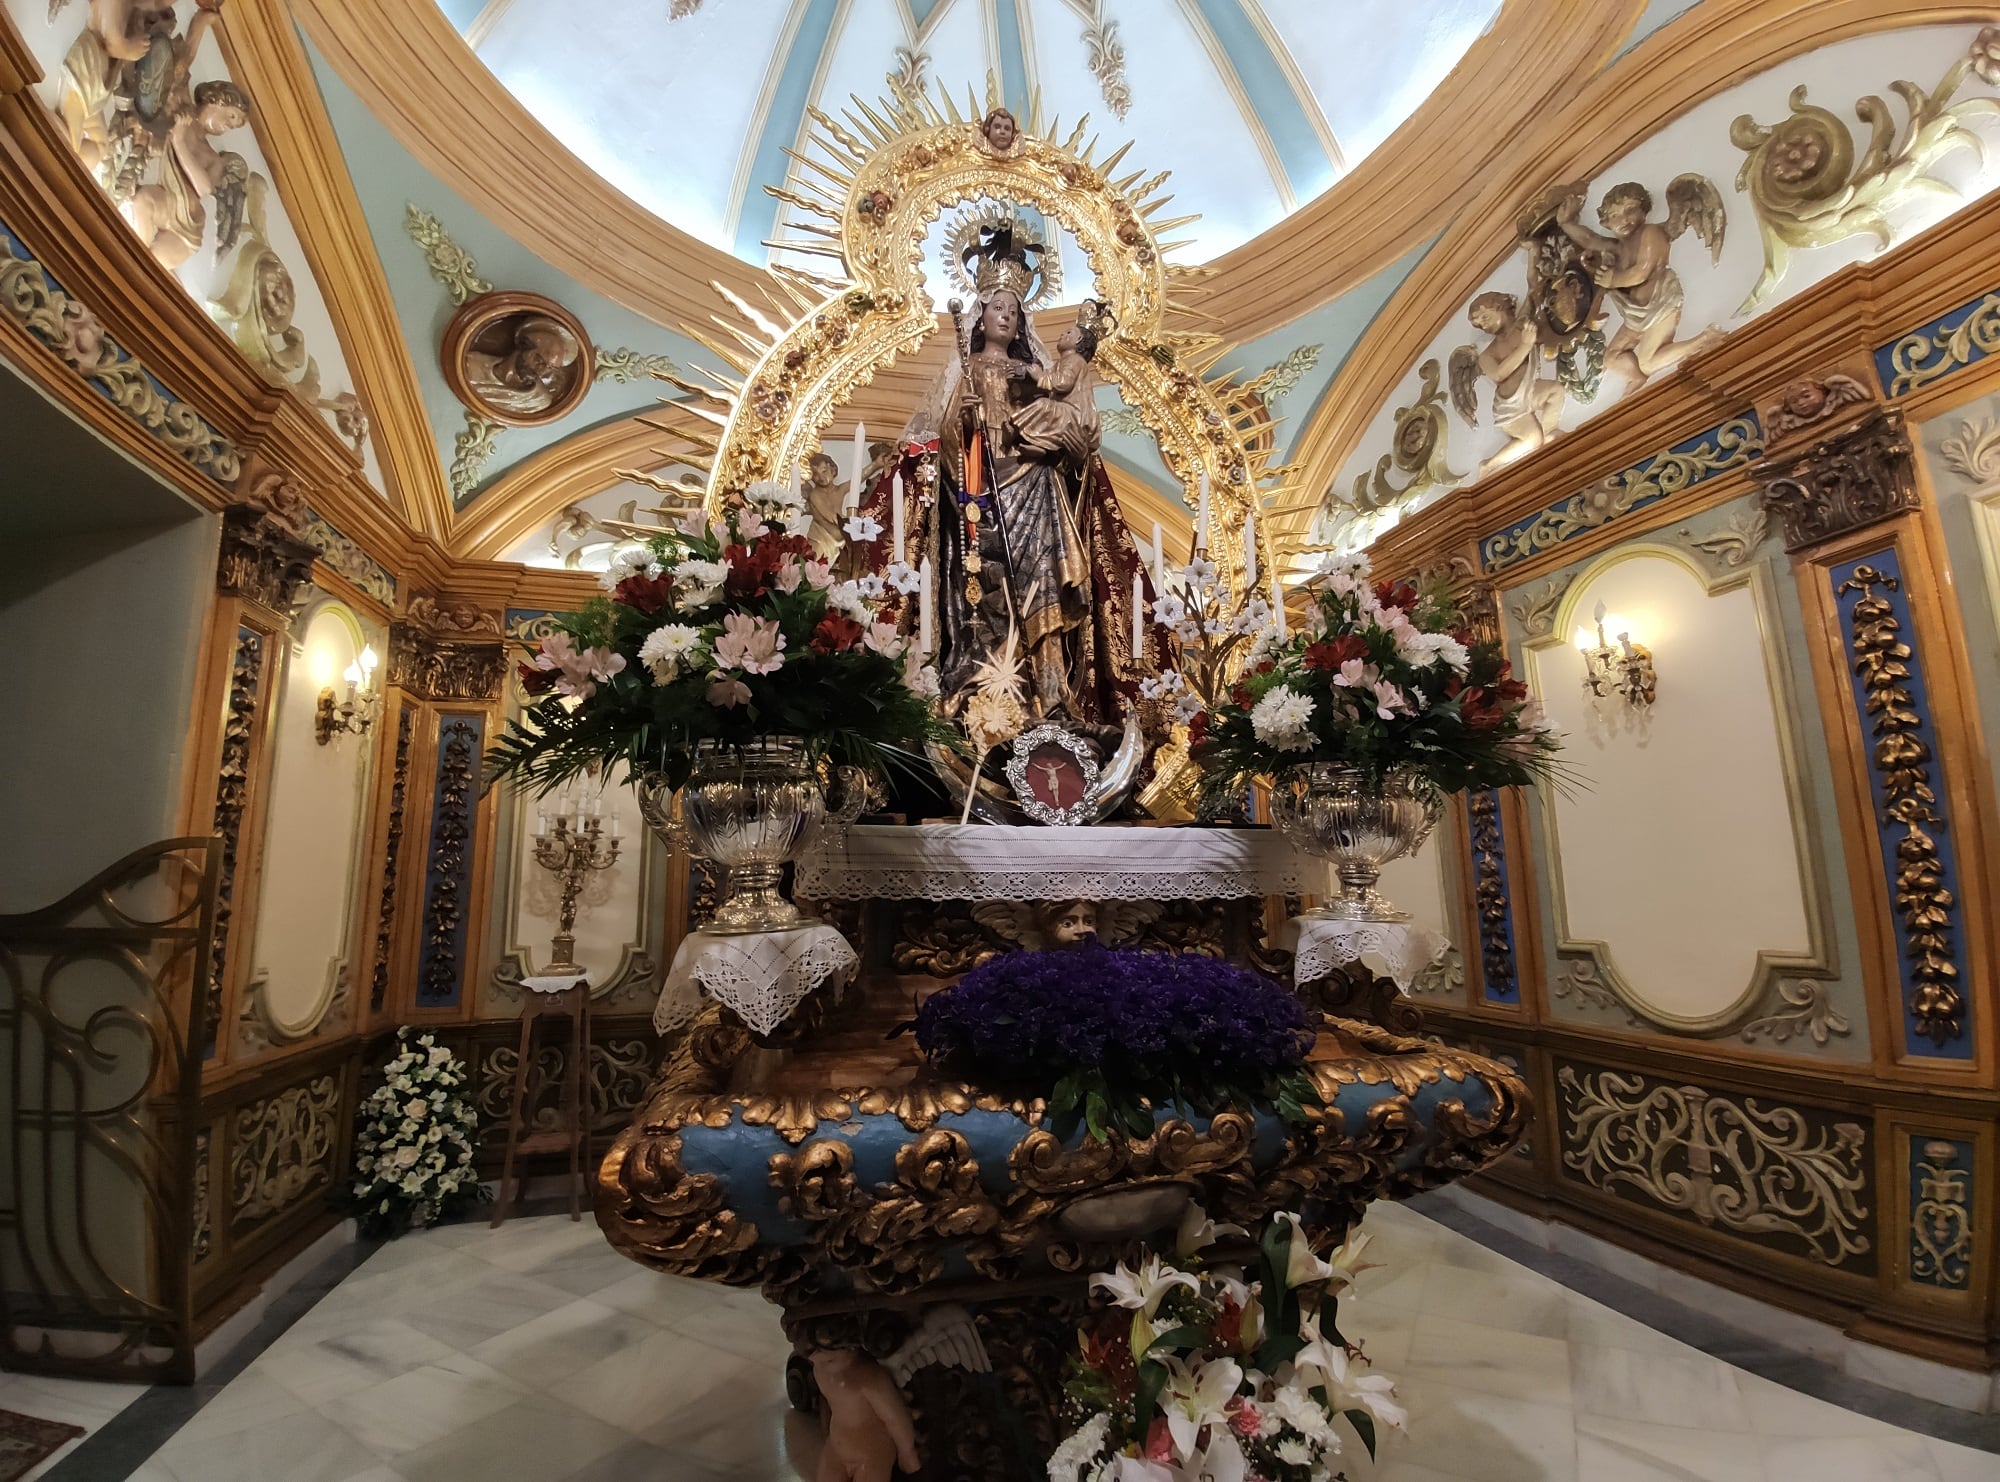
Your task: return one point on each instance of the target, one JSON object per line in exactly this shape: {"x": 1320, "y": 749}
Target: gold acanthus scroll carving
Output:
{"x": 284, "y": 1148}
{"x": 1856, "y": 476}
{"x": 447, "y": 650}
{"x": 1941, "y": 1221}
{"x": 1734, "y": 1164}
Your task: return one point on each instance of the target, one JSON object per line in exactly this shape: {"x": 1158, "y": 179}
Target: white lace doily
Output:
{"x": 556, "y": 982}
{"x": 1399, "y": 950}
{"x": 999, "y": 862}
{"x": 762, "y": 975}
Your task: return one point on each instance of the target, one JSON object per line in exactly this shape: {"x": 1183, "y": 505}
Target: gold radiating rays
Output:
{"x": 863, "y": 194}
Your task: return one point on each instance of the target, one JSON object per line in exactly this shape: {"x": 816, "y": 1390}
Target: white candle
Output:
{"x": 792, "y": 482}
{"x": 1159, "y": 559}
{"x": 860, "y": 463}
{"x": 1138, "y": 618}
{"x": 924, "y": 608}
{"x": 1250, "y": 553}
{"x": 1278, "y": 604}
{"x": 896, "y": 500}
{"x": 1201, "y": 518}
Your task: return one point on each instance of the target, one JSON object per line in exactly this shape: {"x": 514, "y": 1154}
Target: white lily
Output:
{"x": 1143, "y": 1291}
{"x": 1197, "y": 1231}
{"x": 1222, "y": 1460}
{"x": 1305, "y": 1268}
{"x": 1325, "y": 1365}
{"x": 1194, "y": 1397}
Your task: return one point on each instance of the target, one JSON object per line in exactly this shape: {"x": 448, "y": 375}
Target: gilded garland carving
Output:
{"x": 1808, "y": 190}
{"x": 1731, "y": 545}
{"x": 392, "y": 859}
{"x": 232, "y": 800}
{"x": 449, "y": 263}
{"x": 895, "y": 1233}
{"x": 1731, "y": 445}
{"x": 1947, "y": 344}
{"x": 1860, "y": 475}
{"x": 471, "y": 450}
{"x": 347, "y": 558}
{"x": 283, "y": 1149}
{"x": 1417, "y": 449}
{"x": 625, "y": 366}
{"x": 1901, "y": 759}
{"x": 1805, "y": 1008}
{"x": 204, "y": 1217}
{"x": 1941, "y": 1218}
{"x": 1769, "y": 1172}
{"x": 1444, "y": 978}
{"x": 1489, "y": 894}
{"x": 438, "y": 979}
{"x": 1105, "y": 55}
{"x": 260, "y": 560}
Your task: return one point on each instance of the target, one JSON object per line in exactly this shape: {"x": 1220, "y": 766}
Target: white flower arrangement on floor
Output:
{"x": 1219, "y": 1379}
{"x": 413, "y": 1154}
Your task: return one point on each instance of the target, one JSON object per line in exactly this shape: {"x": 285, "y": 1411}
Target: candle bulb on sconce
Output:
{"x": 1625, "y": 670}
{"x": 577, "y": 846}
{"x": 333, "y": 715}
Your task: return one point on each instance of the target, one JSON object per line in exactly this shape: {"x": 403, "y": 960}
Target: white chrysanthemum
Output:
{"x": 846, "y": 597}
{"x": 697, "y": 583}
{"x": 1293, "y": 1452}
{"x": 668, "y": 650}
{"x": 626, "y": 562}
{"x": 1081, "y": 1449}
{"x": 1281, "y": 718}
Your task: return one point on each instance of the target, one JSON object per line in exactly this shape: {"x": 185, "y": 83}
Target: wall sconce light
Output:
{"x": 1624, "y": 668}
{"x": 354, "y": 714}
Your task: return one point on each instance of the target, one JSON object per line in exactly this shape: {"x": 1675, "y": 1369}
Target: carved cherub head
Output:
{"x": 220, "y": 106}
{"x": 1625, "y": 208}
{"x": 541, "y": 348}
{"x": 825, "y": 473}
{"x": 1492, "y": 312}
{"x": 1001, "y": 129}
{"x": 1070, "y": 923}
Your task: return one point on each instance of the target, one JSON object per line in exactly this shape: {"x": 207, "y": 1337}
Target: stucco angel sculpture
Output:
{"x": 1631, "y": 265}
{"x": 1037, "y": 925}
{"x": 1526, "y": 403}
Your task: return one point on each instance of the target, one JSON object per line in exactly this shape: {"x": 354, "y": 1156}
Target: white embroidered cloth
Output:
{"x": 1000, "y": 862}
{"x": 557, "y": 982}
{"x": 1399, "y": 950}
{"x": 762, "y": 975}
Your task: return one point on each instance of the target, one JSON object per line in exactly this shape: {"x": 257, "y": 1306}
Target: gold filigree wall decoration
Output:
{"x": 1105, "y": 55}
{"x": 449, "y": 263}
{"x": 346, "y": 557}
{"x": 1490, "y": 907}
{"x": 1941, "y": 1217}
{"x": 35, "y": 302}
{"x": 1973, "y": 452}
{"x": 260, "y": 560}
{"x": 1582, "y": 982}
{"x": 911, "y": 74}
{"x": 1417, "y": 449}
{"x": 1900, "y": 756}
{"x": 232, "y": 801}
{"x": 449, "y": 876}
{"x": 1732, "y": 544}
{"x": 1925, "y": 355}
{"x": 204, "y": 1213}
{"x": 436, "y": 666}
{"x": 625, "y": 366}
{"x": 1857, "y": 476}
{"x": 283, "y": 1149}
{"x": 392, "y": 859}
{"x": 1806, "y": 187}
{"x": 471, "y": 450}
{"x": 1534, "y": 611}
{"x": 1804, "y": 1008}
{"x": 1774, "y": 1173}
{"x": 617, "y": 1076}
{"x": 867, "y": 189}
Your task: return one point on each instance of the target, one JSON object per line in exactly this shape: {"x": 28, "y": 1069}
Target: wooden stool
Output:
{"x": 573, "y": 1128}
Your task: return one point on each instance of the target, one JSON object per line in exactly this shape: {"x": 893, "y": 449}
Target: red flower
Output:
{"x": 836, "y": 634}
{"x": 1510, "y": 691}
{"x": 1198, "y": 728}
{"x": 1396, "y": 594}
{"x": 751, "y": 571}
{"x": 648, "y": 594}
{"x": 1159, "y": 1441}
{"x": 1229, "y": 1324}
{"x": 1241, "y": 695}
{"x": 1332, "y": 655}
{"x": 537, "y": 681}
{"x": 1267, "y": 667}
{"x": 1481, "y": 709}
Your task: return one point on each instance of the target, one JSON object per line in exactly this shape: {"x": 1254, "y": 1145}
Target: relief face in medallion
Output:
{"x": 517, "y": 358}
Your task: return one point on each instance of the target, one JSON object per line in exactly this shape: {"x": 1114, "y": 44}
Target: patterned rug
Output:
{"x": 26, "y": 1442}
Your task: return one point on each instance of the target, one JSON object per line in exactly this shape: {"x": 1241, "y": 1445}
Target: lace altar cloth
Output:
{"x": 1400, "y": 950}
{"x": 762, "y": 975}
{"x": 1000, "y": 862}
{"x": 558, "y": 982}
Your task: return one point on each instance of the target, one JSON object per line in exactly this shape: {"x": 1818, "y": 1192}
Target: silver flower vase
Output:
{"x": 751, "y": 809}
{"x": 1334, "y": 813}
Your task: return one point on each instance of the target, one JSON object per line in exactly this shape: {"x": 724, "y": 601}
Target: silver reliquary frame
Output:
{"x": 1039, "y": 784}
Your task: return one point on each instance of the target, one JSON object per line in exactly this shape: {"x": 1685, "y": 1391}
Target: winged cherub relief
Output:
{"x": 1039, "y": 925}
{"x": 1629, "y": 261}
{"x": 1526, "y": 403}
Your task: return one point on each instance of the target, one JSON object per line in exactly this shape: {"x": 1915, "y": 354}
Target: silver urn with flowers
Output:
{"x": 1357, "y": 824}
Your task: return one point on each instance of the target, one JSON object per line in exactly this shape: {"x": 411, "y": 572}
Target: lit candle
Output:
{"x": 1278, "y": 604}
{"x": 1138, "y": 618}
{"x": 896, "y": 499}
{"x": 792, "y": 483}
{"x": 1159, "y": 559}
{"x": 924, "y": 608}
{"x": 860, "y": 463}
{"x": 1201, "y": 518}
{"x": 1250, "y": 553}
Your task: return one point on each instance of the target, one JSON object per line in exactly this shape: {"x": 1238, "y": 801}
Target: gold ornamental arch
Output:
{"x": 866, "y": 191}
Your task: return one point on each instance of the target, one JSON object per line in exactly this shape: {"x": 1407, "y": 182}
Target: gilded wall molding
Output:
{"x": 1908, "y": 809}
{"x": 1792, "y": 1178}
{"x": 41, "y": 307}
{"x": 382, "y": 960}
{"x": 1729, "y": 445}
{"x": 1534, "y": 610}
{"x": 346, "y": 559}
{"x": 1492, "y": 904}
{"x": 1948, "y": 344}
{"x": 1803, "y": 1007}
{"x": 234, "y": 785}
{"x": 445, "y": 937}
{"x": 1859, "y": 475}
{"x": 283, "y": 1149}
{"x": 1941, "y": 1212}
{"x": 447, "y": 650}
{"x": 263, "y": 557}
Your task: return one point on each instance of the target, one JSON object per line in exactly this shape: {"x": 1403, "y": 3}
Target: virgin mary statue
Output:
{"x": 1024, "y": 532}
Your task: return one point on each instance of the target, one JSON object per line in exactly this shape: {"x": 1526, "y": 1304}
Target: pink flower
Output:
{"x": 1357, "y": 674}
{"x": 751, "y": 644}
{"x": 1247, "y": 1420}
{"x": 818, "y": 574}
{"x": 580, "y": 672}
{"x": 885, "y": 640}
{"x": 1389, "y": 701}
{"x": 788, "y": 576}
{"x": 726, "y": 690}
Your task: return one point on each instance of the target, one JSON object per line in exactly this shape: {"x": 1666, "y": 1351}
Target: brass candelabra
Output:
{"x": 571, "y": 844}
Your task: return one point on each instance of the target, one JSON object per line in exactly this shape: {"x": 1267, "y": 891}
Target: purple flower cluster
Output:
{"x": 1132, "y": 1026}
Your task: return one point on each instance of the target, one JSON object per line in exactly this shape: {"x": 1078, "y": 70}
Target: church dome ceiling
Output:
{"x": 689, "y": 106}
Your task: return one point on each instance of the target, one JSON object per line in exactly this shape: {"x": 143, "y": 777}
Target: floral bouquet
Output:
{"x": 1109, "y": 1034}
{"x": 413, "y": 1155}
{"x": 1215, "y": 1378}
{"x": 727, "y": 629}
{"x": 1378, "y": 676}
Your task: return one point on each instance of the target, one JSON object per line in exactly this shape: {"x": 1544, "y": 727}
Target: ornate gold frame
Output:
{"x": 482, "y": 313}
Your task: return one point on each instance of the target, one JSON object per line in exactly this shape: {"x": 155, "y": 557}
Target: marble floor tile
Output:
{"x": 1896, "y": 1458}
{"x": 319, "y": 1369}
{"x": 1658, "y": 1388}
{"x": 1489, "y": 1360}
{"x": 1499, "y": 1440}
{"x": 1632, "y": 1451}
{"x": 498, "y": 1303}
{"x": 660, "y": 1298}
{"x": 252, "y": 1399}
{"x": 1778, "y": 1410}
{"x": 412, "y": 1410}
{"x": 639, "y": 1461}
{"x": 1962, "y": 1463}
{"x": 1495, "y": 1299}
{"x": 297, "y": 1448}
{"x": 535, "y": 1440}
{"x": 659, "y": 1379}
{"x": 574, "y": 1336}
